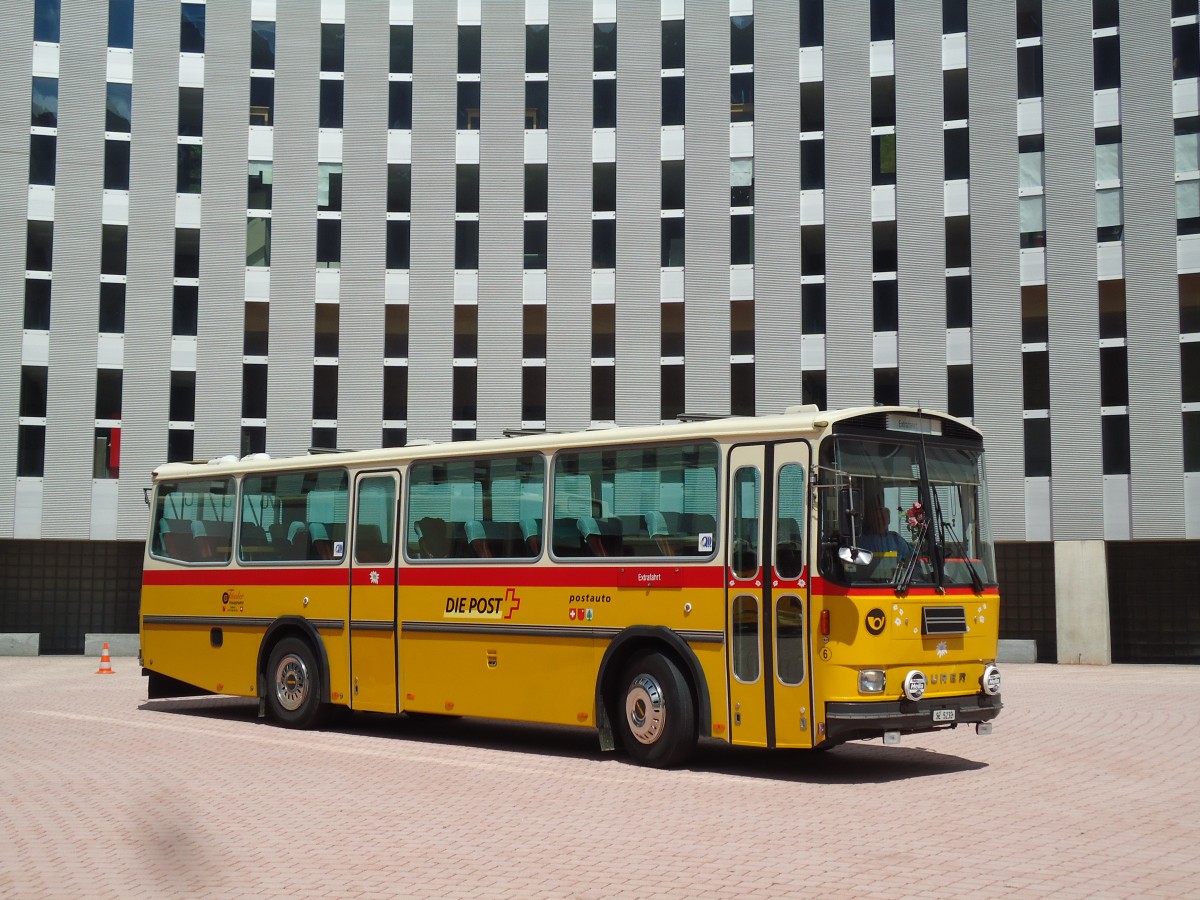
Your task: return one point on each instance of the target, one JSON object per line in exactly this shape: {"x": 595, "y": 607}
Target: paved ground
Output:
{"x": 1090, "y": 786}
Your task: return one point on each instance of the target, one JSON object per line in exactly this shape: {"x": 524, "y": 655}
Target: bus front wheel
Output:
{"x": 657, "y": 716}
{"x": 294, "y": 684}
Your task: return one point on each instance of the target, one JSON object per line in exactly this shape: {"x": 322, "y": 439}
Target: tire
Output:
{"x": 656, "y": 715}
{"x": 294, "y": 685}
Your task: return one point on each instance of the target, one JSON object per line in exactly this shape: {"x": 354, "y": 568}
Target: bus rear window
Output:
{"x": 193, "y": 521}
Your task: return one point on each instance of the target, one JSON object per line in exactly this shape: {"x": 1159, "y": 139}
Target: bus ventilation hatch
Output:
{"x": 943, "y": 620}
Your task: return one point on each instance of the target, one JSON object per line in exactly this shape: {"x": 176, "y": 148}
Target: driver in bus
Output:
{"x": 877, "y": 535}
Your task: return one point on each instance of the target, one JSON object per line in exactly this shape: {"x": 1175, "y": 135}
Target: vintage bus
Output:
{"x": 798, "y": 580}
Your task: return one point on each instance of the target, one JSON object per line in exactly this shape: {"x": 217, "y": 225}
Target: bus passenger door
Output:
{"x": 373, "y": 664}
{"x": 791, "y": 682}
{"x": 748, "y": 719}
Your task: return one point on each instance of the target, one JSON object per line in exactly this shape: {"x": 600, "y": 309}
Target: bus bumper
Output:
{"x": 857, "y": 721}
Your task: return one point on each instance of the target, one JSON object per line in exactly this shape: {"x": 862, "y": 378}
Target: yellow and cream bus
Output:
{"x": 785, "y": 581}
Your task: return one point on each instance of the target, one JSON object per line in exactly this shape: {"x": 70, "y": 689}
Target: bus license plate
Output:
{"x": 943, "y": 715}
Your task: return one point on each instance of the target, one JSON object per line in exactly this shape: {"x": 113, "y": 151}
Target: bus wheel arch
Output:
{"x": 614, "y": 688}
{"x": 308, "y": 660}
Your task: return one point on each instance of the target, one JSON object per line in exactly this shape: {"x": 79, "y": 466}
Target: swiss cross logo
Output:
{"x": 511, "y": 602}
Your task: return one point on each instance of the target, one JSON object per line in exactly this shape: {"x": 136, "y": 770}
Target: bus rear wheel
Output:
{"x": 294, "y": 684}
{"x": 657, "y": 716}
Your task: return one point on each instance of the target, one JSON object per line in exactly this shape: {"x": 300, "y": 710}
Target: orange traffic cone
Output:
{"x": 105, "y": 663}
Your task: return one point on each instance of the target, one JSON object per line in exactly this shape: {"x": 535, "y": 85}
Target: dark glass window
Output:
{"x": 535, "y": 187}
{"x": 812, "y": 249}
{"x": 887, "y": 387}
{"x": 1112, "y": 308}
{"x": 1029, "y": 19}
{"x": 673, "y": 184}
{"x": 604, "y": 187}
{"x": 466, "y": 190}
{"x": 254, "y": 391}
{"x": 188, "y": 176}
{"x": 673, "y": 44}
{"x": 1029, "y": 72}
{"x": 960, "y": 391}
{"x": 31, "y": 451}
{"x": 883, "y": 159}
{"x": 464, "y": 391}
{"x": 741, "y": 327}
{"x": 883, "y": 101}
{"x": 533, "y": 394}
{"x": 812, "y": 165}
{"x": 187, "y": 252}
{"x": 535, "y": 245}
{"x": 262, "y": 45}
{"x": 44, "y": 112}
{"x": 466, "y": 245}
{"x": 118, "y": 107}
{"x": 1114, "y": 376}
{"x": 262, "y": 101}
{"x": 741, "y": 40}
{"x": 673, "y": 391}
{"x": 395, "y": 333}
{"x": 954, "y": 16}
{"x": 120, "y": 24}
{"x": 1106, "y": 61}
{"x": 114, "y": 249}
{"x": 466, "y": 331}
{"x": 37, "y": 304}
{"x": 673, "y": 100}
{"x": 400, "y": 51}
{"x": 325, "y": 330}
{"x": 185, "y": 310}
{"x": 258, "y": 241}
{"x": 604, "y": 103}
{"x": 956, "y": 143}
{"x": 537, "y": 104}
{"x": 671, "y": 325}
{"x": 955, "y": 97}
{"x": 883, "y": 20}
{"x": 468, "y": 105}
{"x": 604, "y": 393}
{"x": 1037, "y": 448}
{"x": 108, "y": 393}
{"x": 42, "y": 155}
{"x": 39, "y": 246}
{"x": 400, "y": 105}
{"x": 191, "y": 27}
{"x": 812, "y": 23}
{"x": 182, "y": 404}
{"x": 886, "y": 304}
{"x": 112, "y": 308}
{"x": 673, "y": 233}
{"x": 331, "y": 103}
{"x": 1114, "y": 444}
{"x": 604, "y": 47}
{"x": 395, "y": 393}
{"x": 32, "y": 403}
{"x": 325, "y": 438}
{"x": 468, "y": 49}
{"x": 255, "y": 335}
{"x": 398, "y": 245}
{"x": 325, "y": 397}
{"x": 329, "y": 243}
{"x": 814, "y": 386}
{"x": 1185, "y": 51}
{"x": 533, "y": 331}
{"x": 958, "y": 242}
{"x": 884, "y": 253}
{"x": 812, "y": 309}
{"x": 116, "y": 165}
{"x": 399, "y": 188}
{"x": 46, "y": 20}
{"x": 741, "y": 97}
{"x": 254, "y": 439}
{"x": 958, "y": 302}
{"x": 1035, "y": 380}
{"x": 604, "y": 244}
{"x": 537, "y": 48}
{"x": 1189, "y": 371}
{"x": 812, "y": 106}
{"x": 1034, "y": 324}
{"x": 741, "y": 240}
{"x": 258, "y": 190}
{"x": 333, "y": 47}
{"x": 191, "y": 112}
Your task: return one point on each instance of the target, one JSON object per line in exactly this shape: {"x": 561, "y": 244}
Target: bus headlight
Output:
{"x": 914, "y": 685}
{"x": 872, "y": 681}
{"x": 991, "y": 681}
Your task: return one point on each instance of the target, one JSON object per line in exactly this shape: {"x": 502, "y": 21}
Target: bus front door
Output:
{"x": 766, "y": 585}
{"x": 373, "y": 663}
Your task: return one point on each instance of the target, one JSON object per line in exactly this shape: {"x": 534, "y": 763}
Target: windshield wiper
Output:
{"x": 945, "y": 527}
{"x": 908, "y": 569}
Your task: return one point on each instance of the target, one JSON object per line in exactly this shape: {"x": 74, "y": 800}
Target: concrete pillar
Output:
{"x": 1081, "y": 602}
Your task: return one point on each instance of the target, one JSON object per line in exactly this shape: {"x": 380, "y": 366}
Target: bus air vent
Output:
{"x": 943, "y": 620}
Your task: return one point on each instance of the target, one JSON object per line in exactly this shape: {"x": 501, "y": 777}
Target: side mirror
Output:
{"x": 855, "y": 556}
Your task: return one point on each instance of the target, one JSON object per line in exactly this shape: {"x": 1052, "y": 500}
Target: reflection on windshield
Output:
{"x": 873, "y": 499}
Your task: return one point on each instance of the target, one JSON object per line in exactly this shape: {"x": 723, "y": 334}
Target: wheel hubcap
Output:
{"x": 291, "y": 683}
{"x": 645, "y": 709}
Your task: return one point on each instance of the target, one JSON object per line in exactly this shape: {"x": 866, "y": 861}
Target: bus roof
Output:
{"x": 799, "y": 419}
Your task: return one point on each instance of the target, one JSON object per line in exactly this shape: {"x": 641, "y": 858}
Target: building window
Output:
{"x": 604, "y": 47}
{"x": 108, "y": 393}
{"x": 1033, "y": 221}
{"x": 533, "y": 394}
{"x": 325, "y": 394}
{"x": 955, "y": 95}
{"x": 468, "y": 106}
{"x": 604, "y": 187}
{"x": 254, "y": 439}
{"x": 960, "y": 391}
{"x": 537, "y": 48}
{"x": 954, "y": 16}
{"x": 469, "y": 40}
{"x": 188, "y": 175}
{"x": 885, "y": 297}
{"x": 883, "y": 20}
{"x": 182, "y": 404}
{"x": 329, "y": 187}
{"x": 883, "y": 159}
{"x": 31, "y": 451}
{"x": 333, "y": 47}
{"x": 466, "y": 245}
{"x": 262, "y": 45}
{"x": 604, "y": 244}
{"x": 187, "y": 253}
{"x": 533, "y": 331}
{"x": 191, "y": 28}
{"x": 1185, "y": 51}
{"x": 1114, "y": 444}
{"x": 884, "y": 253}
{"x": 399, "y": 187}
{"x": 258, "y": 241}
{"x": 44, "y": 112}
{"x": 466, "y": 189}
{"x": 604, "y": 330}
{"x": 466, "y": 331}
{"x": 671, "y": 330}
{"x": 1112, "y": 308}
{"x": 325, "y": 330}
{"x": 741, "y": 240}
{"x": 1114, "y": 376}
{"x": 673, "y": 44}
{"x": 255, "y": 341}
{"x": 329, "y": 243}
{"x": 185, "y": 310}
{"x": 112, "y": 308}
{"x": 604, "y": 393}
{"x": 1035, "y": 380}
{"x": 116, "y": 165}
{"x": 37, "y": 304}
{"x": 39, "y": 246}
{"x": 106, "y": 457}
{"x": 191, "y": 112}
{"x": 741, "y": 182}
{"x": 262, "y": 101}
{"x": 395, "y": 333}
{"x": 331, "y": 102}
{"x": 1035, "y": 327}
{"x": 958, "y": 242}
{"x": 956, "y": 146}
{"x": 537, "y": 104}
{"x": 672, "y": 392}
{"x": 883, "y": 101}
{"x": 118, "y": 107}
{"x": 814, "y": 389}
{"x": 400, "y": 50}
{"x": 673, "y": 242}
{"x": 258, "y": 192}
{"x": 812, "y": 106}
{"x": 1189, "y": 371}
{"x": 1029, "y": 19}
{"x": 254, "y": 391}
{"x": 604, "y": 103}
{"x": 535, "y": 244}
{"x": 46, "y": 20}
{"x": 1037, "y": 448}
{"x": 120, "y": 24}
{"x": 812, "y": 309}
{"x": 958, "y": 302}
{"x": 536, "y": 187}
{"x": 395, "y": 393}
{"x": 674, "y": 184}
{"x": 887, "y": 387}
{"x": 812, "y": 165}
{"x": 812, "y": 23}
{"x": 741, "y": 97}
{"x": 32, "y": 402}
{"x": 398, "y": 244}
{"x": 114, "y": 249}
{"x": 1029, "y": 72}
{"x": 464, "y": 389}
{"x": 741, "y": 41}
{"x": 741, "y": 327}
{"x": 1106, "y": 62}
{"x": 673, "y": 100}
{"x": 812, "y": 249}
{"x": 400, "y": 105}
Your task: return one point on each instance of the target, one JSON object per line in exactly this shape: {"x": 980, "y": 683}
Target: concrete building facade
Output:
{"x": 255, "y": 226}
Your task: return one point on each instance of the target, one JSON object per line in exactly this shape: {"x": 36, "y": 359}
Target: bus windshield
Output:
{"x": 920, "y": 512}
